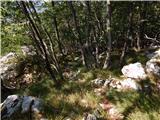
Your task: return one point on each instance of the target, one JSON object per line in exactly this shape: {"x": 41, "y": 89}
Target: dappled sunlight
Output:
{"x": 80, "y": 60}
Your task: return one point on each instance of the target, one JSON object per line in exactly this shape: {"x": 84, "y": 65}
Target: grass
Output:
{"x": 135, "y": 106}
{"x": 72, "y": 100}
{"x": 76, "y": 97}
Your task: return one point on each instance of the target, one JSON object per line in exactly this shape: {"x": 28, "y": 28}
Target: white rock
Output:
{"x": 90, "y": 117}
{"x": 129, "y": 83}
{"x": 106, "y": 83}
{"x": 98, "y": 82}
{"x": 6, "y": 58}
{"x": 8, "y": 68}
{"x": 135, "y": 71}
{"x": 28, "y": 50}
{"x": 153, "y": 68}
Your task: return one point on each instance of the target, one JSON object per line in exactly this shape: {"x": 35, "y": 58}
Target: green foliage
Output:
{"x": 76, "y": 96}
{"x": 13, "y": 28}
{"x": 13, "y": 38}
{"x": 132, "y": 57}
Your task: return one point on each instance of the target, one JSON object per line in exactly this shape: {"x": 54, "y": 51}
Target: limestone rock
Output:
{"x": 129, "y": 84}
{"x": 98, "y": 82}
{"x": 152, "y": 55}
{"x": 153, "y": 65}
{"x": 8, "y": 66}
{"x": 123, "y": 84}
{"x": 153, "y": 69}
{"x": 135, "y": 71}
{"x": 16, "y": 72}
{"x": 11, "y": 106}
{"x": 28, "y": 50}
{"x": 90, "y": 117}
{"x": 20, "y": 105}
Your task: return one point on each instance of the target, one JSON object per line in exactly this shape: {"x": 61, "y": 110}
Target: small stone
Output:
{"x": 106, "y": 83}
{"x": 98, "y": 82}
{"x": 90, "y": 117}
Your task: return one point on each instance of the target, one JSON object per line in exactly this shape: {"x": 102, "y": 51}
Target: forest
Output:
{"x": 80, "y": 60}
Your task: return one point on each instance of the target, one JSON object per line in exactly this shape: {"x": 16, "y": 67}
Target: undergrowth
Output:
{"x": 77, "y": 96}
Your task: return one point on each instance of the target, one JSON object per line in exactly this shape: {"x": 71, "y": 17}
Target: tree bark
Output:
{"x": 48, "y": 66}
{"x": 91, "y": 58}
{"x": 108, "y": 52}
{"x": 60, "y": 46}
{"x": 123, "y": 53}
{"x": 52, "y": 55}
{"x": 82, "y": 48}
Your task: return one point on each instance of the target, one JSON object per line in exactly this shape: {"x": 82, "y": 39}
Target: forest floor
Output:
{"x": 77, "y": 97}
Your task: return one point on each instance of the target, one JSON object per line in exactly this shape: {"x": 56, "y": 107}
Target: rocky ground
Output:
{"x": 85, "y": 95}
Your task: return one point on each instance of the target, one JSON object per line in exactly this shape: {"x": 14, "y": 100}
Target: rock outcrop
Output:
{"x": 17, "y": 106}
{"x": 153, "y": 66}
{"x": 10, "y": 68}
{"x": 17, "y": 70}
{"x": 114, "y": 83}
{"x": 135, "y": 71}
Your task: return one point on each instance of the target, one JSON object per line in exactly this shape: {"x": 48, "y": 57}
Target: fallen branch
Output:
{"x": 153, "y": 39}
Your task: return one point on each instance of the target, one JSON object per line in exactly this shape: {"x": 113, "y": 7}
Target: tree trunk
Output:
{"x": 52, "y": 55}
{"x": 48, "y": 66}
{"x": 82, "y": 48}
{"x": 60, "y": 46}
{"x": 91, "y": 60}
{"x": 108, "y": 52}
{"x": 130, "y": 20}
{"x": 123, "y": 53}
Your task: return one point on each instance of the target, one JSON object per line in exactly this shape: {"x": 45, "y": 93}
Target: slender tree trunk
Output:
{"x": 108, "y": 52}
{"x": 91, "y": 60}
{"x": 130, "y": 20}
{"x": 48, "y": 66}
{"x": 60, "y": 46}
{"x": 37, "y": 44}
{"x": 143, "y": 19}
{"x": 82, "y": 48}
{"x": 52, "y": 55}
{"x": 140, "y": 29}
{"x": 123, "y": 53}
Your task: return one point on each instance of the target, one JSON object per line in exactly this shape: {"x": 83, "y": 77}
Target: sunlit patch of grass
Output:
{"x": 134, "y": 105}
{"x": 69, "y": 101}
{"x": 100, "y": 73}
{"x": 122, "y": 99}
{"x": 140, "y": 115}
{"x": 88, "y": 76}
{"x": 77, "y": 97}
